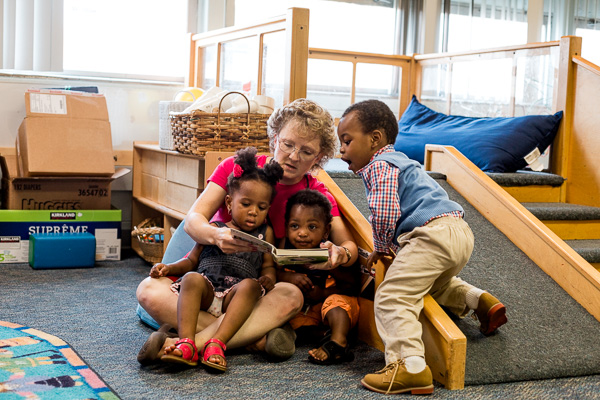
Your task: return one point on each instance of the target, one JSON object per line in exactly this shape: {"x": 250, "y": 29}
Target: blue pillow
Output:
{"x": 493, "y": 144}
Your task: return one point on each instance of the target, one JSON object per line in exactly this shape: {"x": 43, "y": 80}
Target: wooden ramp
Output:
{"x": 445, "y": 344}
{"x": 546, "y": 249}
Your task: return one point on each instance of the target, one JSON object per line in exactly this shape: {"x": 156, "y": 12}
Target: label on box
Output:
{"x": 47, "y": 104}
{"x": 10, "y": 249}
{"x": 108, "y": 245}
{"x": 17, "y": 225}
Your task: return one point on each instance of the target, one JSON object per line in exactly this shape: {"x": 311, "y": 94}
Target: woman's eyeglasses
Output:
{"x": 289, "y": 148}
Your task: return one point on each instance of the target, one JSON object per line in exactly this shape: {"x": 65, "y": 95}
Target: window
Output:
{"x": 125, "y": 37}
{"x": 363, "y": 26}
{"x": 574, "y": 17}
{"x": 587, "y": 25}
{"x": 482, "y": 24}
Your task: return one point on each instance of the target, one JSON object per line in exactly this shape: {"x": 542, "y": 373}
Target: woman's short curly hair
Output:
{"x": 312, "y": 120}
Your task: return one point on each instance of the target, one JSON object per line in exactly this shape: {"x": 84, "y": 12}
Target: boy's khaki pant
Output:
{"x": 428, "y": 260}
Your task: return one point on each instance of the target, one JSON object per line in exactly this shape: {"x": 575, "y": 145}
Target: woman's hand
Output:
{"x": 159, "y": 270}
{"x": 337, "y": 257}
{"x": 226, "y": 242}
{"x": 266, "y": 282}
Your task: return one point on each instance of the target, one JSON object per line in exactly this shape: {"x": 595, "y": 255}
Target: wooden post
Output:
{"x": 569, "y": 46}
{"x": 296, "y": 54}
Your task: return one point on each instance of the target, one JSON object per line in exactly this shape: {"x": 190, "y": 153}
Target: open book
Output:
{"x": 284, "y": 256}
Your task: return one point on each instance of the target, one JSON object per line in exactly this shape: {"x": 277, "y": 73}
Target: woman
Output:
{"x": 302, "y": 138}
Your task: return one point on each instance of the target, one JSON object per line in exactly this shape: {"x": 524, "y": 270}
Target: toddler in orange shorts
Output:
{"x": 329, "y": 295}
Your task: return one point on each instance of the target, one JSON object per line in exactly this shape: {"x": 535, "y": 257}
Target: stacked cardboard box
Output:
{"x": 65, "y": 133}
{"x": 64, "y": 159}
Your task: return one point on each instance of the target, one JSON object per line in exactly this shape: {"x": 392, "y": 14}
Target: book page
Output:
{"x": 261, "y": 245}
{"x": 284, "y": 256}
{"x": 300, "y": 256}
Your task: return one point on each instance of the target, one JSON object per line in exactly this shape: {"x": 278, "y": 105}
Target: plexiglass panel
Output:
{"x": 209, "y": 57}
{"x": 329, "y": 84}
{"x": 239, "y": 63}
{"x": 381, "y": 82}
{"x": 535, "y": 83}
{"x": 433, "y": 86}
{"x": 273, "y": 69}
{"x": 481, "y": 88}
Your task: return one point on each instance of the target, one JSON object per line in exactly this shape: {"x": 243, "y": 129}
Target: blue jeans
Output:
{"x": 179, "y": 245}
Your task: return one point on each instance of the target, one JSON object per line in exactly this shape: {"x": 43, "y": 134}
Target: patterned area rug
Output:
{"x": 35, "y": 365}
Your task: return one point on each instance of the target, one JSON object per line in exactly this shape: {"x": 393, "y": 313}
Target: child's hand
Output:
{"x": 228, "y": 244}
{"x": 159, "y": 270}
{"x": 374, "y": 258}
{"x": 302, "y": 281}
{"x": 266, "y": 282}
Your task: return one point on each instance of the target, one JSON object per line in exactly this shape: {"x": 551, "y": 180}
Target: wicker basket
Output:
{"x": 199, "y": 132}
{"x": 152, "y": 251}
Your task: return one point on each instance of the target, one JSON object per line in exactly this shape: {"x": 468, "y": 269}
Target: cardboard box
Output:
{"x": 65, "y": 133}
{"x": 54, "y": 193}
{"x": 17, "y": 225}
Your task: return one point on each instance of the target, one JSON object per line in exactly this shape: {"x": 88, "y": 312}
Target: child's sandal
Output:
{"x": 189, "y": 353}
{"x": 336, "y": 354}
{"x": 210, "y": 351}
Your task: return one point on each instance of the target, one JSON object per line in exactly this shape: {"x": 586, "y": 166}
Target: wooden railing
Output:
{"x": 237, "y": 57}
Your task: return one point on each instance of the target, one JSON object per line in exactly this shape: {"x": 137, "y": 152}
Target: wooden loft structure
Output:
{"x": 560, "y": 77}
{"x": 538, "y": 78}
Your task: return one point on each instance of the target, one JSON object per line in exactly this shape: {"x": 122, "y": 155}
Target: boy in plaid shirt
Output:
{"x": 412, "y": 216}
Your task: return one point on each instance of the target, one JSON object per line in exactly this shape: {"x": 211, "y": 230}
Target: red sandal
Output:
{"x": 189, "y": 353}
{"x": 214, "y": 350}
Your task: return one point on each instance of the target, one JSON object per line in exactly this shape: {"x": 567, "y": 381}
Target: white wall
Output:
{"x": 132, "y": 106}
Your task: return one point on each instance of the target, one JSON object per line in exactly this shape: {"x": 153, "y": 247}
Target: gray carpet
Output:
{"x": 525, "y": 178}
{"x": 563, "y": 211}
{"x": 93, "y": 310}
{"x": 548, "y": 334}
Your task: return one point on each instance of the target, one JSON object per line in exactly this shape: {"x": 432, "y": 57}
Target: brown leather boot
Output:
{"x": 394, "y": 379}
{"x": 490, "y": 313}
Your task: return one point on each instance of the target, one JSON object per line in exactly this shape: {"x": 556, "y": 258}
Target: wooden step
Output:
{"x": 588, "y": 249}
{"x": 530, "y": 186}
{"x": 568, "y": 221}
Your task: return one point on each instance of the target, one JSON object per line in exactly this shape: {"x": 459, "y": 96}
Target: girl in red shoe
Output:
{"x": 220, "y": 283}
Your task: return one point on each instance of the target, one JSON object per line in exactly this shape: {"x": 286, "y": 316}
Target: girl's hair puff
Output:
{"x": 311, "y": 120}
{"x": 309, "y": 198}
{"x": 270, "y": 174}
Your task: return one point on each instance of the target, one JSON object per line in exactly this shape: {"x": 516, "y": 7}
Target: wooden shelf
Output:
{"x": 163, "y": 209}
{"x": 166, "y": 183}
{"x": 153, "y": 146}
